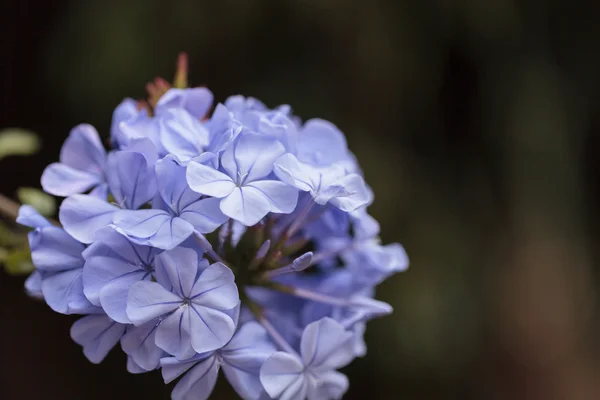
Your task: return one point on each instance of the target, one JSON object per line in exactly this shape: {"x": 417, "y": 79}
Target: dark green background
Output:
{"x": 476, "y": 123}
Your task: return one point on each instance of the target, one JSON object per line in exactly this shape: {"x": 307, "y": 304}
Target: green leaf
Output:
{"x": 17, "y": 261}
{"x": 18, "y": 141}
{"x": 44, "y": 203}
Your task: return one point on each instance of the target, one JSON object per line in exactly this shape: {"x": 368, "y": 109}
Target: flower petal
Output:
{"x": 113, "y": 295}
{"x": 210, "y": 329}
{"x": 181, "y": 267}
{"x": 132, "y": 183}
{"x": 83, "y": 150}
{"x": 325, "y": 343}
{"x": 280, "y": 372}
{"x": 173, "y": 334}
{"x": 251, "y": 156}
{"x": 98, "y": 334}
{"x": 289, "y": 170}
{"x": 149, "y": 300}
{"x": 283, "y": 197}
{"x": 215, "y": 288}
{"x": 52, "y": 249}
{"x": 138, "y": 343}
{"x": 61, "y": 180}
{"x": 82, "y": 215}
{"x": 205, "y": 215}
{"x": 154, "y": 228}
{"x": 63, "y": 292}
{"x": 246, "y": 205}
{"x": 208, "y": 181}
{"x": 199, "y": 382}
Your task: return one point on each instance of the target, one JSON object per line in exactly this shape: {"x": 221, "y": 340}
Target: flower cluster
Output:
{"x": 235, "y": 240}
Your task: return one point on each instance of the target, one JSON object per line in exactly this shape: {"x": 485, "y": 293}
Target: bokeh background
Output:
{"x": 476, "y": 122}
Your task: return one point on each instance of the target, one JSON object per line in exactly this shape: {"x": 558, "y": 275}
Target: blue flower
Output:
{"x": 240, "y": 359}
{"x": 81, "y": 167}
{"x": 58, "y": 260}
{"x": 139, "y": 343}
{"x": 238, "y": 240}
{"x": 198, "y": 303}
{"x": 325, "y": 347}
{"x": 246, "y": 192}
{"x": 178, "y": 212}
{"x": 112, "y": 265}
{"x": 97, "y": 334}
{"x": 332, "y": 184}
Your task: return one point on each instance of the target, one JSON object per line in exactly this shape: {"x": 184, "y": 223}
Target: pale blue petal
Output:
{"x": 359, "y": 196}
{"x": 138, "y": 343}
{"x": 140, "y": 224}
{"x": 149, "y": 300}
{"x": 61, "y": 180}
{"x": 181, "y": 135}
{"x": 114, "y": 294}
{"x": 215, "y": 288}
{"x": 172, "y": 184}
{"x": 29, "y": 216}
{"x": 280, "y": 372}
{"x": 205, "y": 215}
{"x": 181, "y": 268}
{"x": 99, "y": 271}
{"x": 33, "y": 285}
{"x": 172, "y": 368}
{"x": 196, "y": 101}
{"x": 210, "y": 329}
{"x": 63, "y": 292}
{"x": 133, "y": 368}
{"x": 153, "y": 228}
{"x": 208, "y": 181}
{"x": 126, "y": 110}
{"x": 97, "y": 334}
{"x": 321, "y": 143}
{"x": 251, "y": 156}
{"x": 82, "y": 215}
{"x": 289, "y": 170}
{"x": 173, "y": 333}
{"x": 243, "y": 357}
{"x": 52, "y": 249}
{"x": 282, "y": 197}
{"x": 326, "y": 344}
{"x": 331, "y": 385}
{"x": 100, "y": 192}
{"x": 199, "y": 382}
{"x": 83, "y": 150}
{"x": 132, "y": 183}
{"x": 246, "y": 205}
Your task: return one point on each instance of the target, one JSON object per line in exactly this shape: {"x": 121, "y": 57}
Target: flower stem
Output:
{"x": 9, "y": 207}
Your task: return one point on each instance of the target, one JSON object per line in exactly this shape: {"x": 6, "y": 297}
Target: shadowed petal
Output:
{"x": 139, "y": 343}
{"x": 98, "y": 334}
{"x": 199, "y": 382}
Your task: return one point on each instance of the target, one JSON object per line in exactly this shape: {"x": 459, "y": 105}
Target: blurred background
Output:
{"x": 476, "y": 123}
